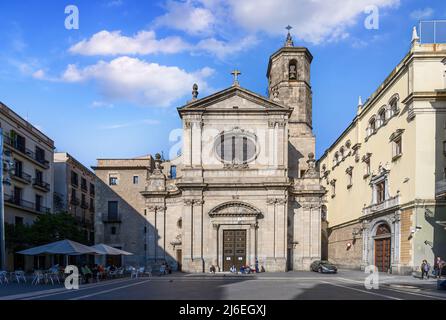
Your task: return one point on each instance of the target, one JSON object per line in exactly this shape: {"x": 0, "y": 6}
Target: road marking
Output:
{"x": 110, "y": 290}
{"x": 51, "y": 292}
{"x": 364, "y": 291}
{"x": 386, "y": 287}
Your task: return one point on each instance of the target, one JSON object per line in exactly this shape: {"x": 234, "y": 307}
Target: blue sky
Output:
{"x": 111, "y": 87}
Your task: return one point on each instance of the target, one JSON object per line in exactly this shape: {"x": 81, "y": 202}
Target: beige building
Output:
{"x": 385, "y": 174}
{"x": 245, "y": 187}
{"x": 28, "y": 187}
{"x": 74, "y": 191}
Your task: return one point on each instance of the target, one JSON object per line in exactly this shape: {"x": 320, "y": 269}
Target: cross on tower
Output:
{"x": 289, "y": 39}
{"x": 236, "y": 73}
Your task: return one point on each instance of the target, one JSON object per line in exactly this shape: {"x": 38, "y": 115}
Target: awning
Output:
{"x": 105, "y": 249}
{"x": 66, "y": 247}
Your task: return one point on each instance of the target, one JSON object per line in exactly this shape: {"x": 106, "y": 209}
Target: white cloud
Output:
{"x": 138, "y": 81}
{"x": 130, "y": 124}
{"x": 222, "y": 49}
{"x": 114, "y": 3}
{"x": 422, "y": 13}
{"x": 102, "y": 104}
{"x": 114, "y": 43}
{"x": 314, "y": 21}
{"x": 188, "y": 16}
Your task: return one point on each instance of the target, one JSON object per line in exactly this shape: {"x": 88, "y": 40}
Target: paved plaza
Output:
{"x": 346, "y": 285}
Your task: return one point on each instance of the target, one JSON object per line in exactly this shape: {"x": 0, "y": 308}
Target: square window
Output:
{"x": 113, "y": 181}
{"x": 135, "y": 179}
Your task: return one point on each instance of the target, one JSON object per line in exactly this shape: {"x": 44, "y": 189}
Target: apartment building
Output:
{"x": 75, "y": 191}
{"x": 385, "y": 174}
{"x": 28, "y": 187}
{"x": 121, "y": 219}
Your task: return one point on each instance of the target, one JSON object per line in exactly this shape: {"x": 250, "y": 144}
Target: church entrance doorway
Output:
{"x": 234, "y": 249}
{"x": 383, "y": 248}
{"x": 179, "y": 259}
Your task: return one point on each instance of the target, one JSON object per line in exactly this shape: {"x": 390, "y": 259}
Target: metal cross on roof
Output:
{"x": 236, "y": 73}
{"x": 289, "y": 39}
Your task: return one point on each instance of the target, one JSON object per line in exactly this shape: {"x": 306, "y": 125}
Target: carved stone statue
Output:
{"x": 195, "y": 91}
{"x": 293, "y": 72}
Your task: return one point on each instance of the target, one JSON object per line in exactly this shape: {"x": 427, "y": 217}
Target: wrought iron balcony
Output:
{"x": 111, "y": 218}
{"x": 42, "y": 185}
{"x": 22, "y": 176}
{"x": 10, "y": 199}
{"x": 382, "y": 206}
{"x": 25, "y": 151}
{"x": 75, "y": 201}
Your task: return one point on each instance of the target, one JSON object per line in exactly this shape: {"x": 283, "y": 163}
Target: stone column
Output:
{"x": 215, "y": 260}
{"x": 196, "y": 132}
{"x": 197, "y": 235}
{"x": 281, "y": 145}
{"x": 252, "y": 248}
{"x": 281, "y": 228}
{"x": 365, "y": 245}
{"x": 152, "y": 233}
{"x": 187, "y": 240}
{"x": 396, "y": 241}
{"x": 161, "y": 227}
{"x": 271, "y": 143}
{"x": 187, "y": 143}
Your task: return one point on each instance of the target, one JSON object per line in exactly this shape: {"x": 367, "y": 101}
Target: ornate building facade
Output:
{"x": 244, "y": 189}
{"x": 385, "y": 174}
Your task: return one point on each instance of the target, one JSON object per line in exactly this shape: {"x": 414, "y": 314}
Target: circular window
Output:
{"x": 236, "y": 147}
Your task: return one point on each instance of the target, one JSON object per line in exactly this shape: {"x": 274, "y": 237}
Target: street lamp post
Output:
{"x": 2, "y": 210}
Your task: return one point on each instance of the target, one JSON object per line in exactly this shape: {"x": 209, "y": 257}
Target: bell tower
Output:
{"x": 289, "y": 84}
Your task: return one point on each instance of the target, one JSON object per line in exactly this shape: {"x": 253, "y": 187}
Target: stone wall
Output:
{"x": 339, "y": 253}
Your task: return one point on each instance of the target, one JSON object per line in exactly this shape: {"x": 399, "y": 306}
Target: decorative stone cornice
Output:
{"x": 234, "y": 209}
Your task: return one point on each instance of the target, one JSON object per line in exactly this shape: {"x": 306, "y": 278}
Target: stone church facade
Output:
{"x": 244, "y": 188}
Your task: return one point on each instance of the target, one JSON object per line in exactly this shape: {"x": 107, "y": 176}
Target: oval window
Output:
{"x": 235, "y": 148}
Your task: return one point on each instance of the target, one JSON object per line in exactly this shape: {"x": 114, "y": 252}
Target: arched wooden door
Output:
{"x": 383, "y": 245}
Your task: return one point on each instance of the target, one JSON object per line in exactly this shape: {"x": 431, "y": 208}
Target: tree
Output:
{"x": 47, "y": 228}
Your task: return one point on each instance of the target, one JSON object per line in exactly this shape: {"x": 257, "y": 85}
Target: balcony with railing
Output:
{"x": 24, "y": 204}
{"x": 111, "y": 218}
{"x": 440, "y": 188}
{"x": 74, "y": 201}
{"x": 41, "y": 185}
{"x": 382, "y": 206}
{"x": 21, "y": 148}
{"x": 21, "y": 177}
{"x": 84, "y": 204}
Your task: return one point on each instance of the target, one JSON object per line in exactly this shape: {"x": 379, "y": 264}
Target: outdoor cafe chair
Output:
{"x": 38, "y": 277}
{"x": 134, "y": 273}
{"x": 19, "y": 275}
{"x": 121, "y": 272}
{"x": 148, "y": 271}
{"x": 4, "y": 277}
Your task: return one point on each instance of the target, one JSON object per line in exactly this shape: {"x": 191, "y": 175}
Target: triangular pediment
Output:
{"x": 236, "y": 99}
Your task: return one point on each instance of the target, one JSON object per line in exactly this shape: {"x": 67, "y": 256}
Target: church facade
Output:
{"x": 244, "y": 189}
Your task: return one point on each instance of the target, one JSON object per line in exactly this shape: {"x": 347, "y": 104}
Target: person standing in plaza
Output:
{"x": 425, "y": 267}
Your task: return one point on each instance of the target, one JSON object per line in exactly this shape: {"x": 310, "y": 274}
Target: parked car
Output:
{"x": 323, "y": 266}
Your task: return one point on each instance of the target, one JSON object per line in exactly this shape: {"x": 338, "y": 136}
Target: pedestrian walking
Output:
{"x": 425, "y": 267}
{"x": 438, "y": 264}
